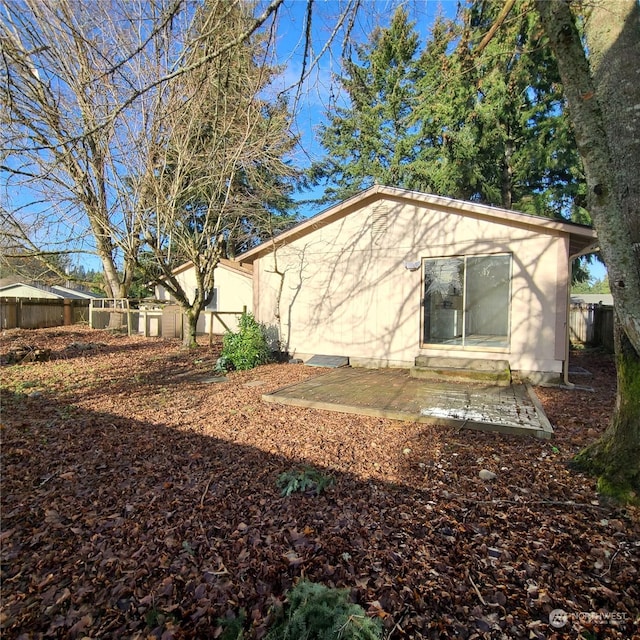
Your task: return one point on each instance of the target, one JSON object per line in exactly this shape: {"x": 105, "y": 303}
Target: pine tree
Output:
{"x": 493, "y": 124}
{"x": 447, "y": 142}
{"x": 488, "y": 127}
{"x": 373, "y": 140}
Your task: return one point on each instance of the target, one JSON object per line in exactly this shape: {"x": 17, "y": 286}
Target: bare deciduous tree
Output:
{"x": 79, "y": 82}
{"x": 64, "y": 168}
{"x": 216, "y": 169}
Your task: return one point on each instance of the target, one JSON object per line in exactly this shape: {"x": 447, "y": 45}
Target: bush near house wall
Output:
{"x": 246, "y": 348}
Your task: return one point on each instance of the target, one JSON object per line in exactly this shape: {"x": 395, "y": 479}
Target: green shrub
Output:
{"x": 307, "y": 479}
{"x": 316, "y": 612}
{"x": 247, "y": 348}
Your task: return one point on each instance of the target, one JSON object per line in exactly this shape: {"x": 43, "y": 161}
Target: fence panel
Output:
{"x": 591, "y": 324}
{"x": 8, "y": 313}
{"x": 581, "y": 321}
{"x": 81, "y": 313}
{"x": 39, "y": 313}
{"x": 172, "y": 324}
{"x": 101, "y": 313}
{"x": 114, "y": 313}
{"x": 603, "y": 327}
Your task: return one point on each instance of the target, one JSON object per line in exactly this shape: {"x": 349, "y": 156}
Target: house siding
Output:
{"x": 562, "y": 299}
{"x": 347, "y": 292}
{"x": 235, "y": 292}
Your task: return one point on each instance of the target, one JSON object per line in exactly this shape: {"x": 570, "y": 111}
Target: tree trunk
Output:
{"x": 615, "y": 457}
{"x": 507, "y": 176}
{"x": 191, "y": 316}
{"x": 603, "y": 95}
{"x": 111, "y": 279}
{"x": 112, "y": 290}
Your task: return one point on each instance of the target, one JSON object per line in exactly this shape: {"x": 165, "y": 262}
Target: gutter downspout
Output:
{"x": 567, "y": 336}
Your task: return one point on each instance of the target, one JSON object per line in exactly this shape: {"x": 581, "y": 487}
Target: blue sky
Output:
{"x": 319, "y": 89}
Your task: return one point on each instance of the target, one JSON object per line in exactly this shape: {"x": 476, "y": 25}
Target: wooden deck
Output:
{"x": 394, "y": 394}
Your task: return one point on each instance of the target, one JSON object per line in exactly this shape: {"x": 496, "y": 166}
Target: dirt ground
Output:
{"x": 140, "y": 500}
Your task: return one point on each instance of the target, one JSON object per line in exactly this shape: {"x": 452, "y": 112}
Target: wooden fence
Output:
{"x": 119, "y": 314}
{"x": 101, "y": 313}
{"x": 591, "y": 324}
{"x": 156, "y": 319}
{"x": 38, "y": 313}
{"x": 168, "y": 322}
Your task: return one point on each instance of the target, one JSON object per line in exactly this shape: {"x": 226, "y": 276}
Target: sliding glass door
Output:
{"x": 467, "y": 301}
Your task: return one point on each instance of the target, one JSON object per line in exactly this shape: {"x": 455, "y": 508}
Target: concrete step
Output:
{"x": 495, "y": 372}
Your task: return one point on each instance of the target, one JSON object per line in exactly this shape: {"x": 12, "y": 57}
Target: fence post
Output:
{"x": 128, "y": 310}
{"x": 67, "y": 312}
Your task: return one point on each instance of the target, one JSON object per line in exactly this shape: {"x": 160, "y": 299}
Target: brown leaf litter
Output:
{"x": 139, "y": 500}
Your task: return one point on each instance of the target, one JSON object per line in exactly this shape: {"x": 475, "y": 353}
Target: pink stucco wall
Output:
{"x": 344, "y": 288}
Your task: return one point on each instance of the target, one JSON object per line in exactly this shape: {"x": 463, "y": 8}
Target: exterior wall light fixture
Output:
{"x": 412, "y": 266}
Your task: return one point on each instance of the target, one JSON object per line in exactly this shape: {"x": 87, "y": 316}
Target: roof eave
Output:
{"x": 234, "y": 265}
{"x": 440, "y": 202}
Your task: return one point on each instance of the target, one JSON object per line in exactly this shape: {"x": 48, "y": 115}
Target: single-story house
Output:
{"x": 390, "y": 276}
{"x": 232, "y": 293}
{"x": 54, "y": 292}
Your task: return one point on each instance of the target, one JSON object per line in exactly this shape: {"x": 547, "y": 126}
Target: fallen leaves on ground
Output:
{"x": 139, "y": 500}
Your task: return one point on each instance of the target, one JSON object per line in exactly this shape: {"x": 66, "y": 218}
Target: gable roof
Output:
{"x": 75, "y": 294}
{"x": 54, "y": 292}
{"x": 24, "y": 290}
{"x": 605, "y": 299}
{"x": 582, "y": 238}
{"x": 242, "y": 269}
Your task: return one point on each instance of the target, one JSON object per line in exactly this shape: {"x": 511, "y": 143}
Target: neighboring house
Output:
{"x": 605, "y": 299}
{"x": 33, "y": 306}
{"x": 233, "y": 292}
{"x": 55, "y": 292}
{"x": 390, "y": 275}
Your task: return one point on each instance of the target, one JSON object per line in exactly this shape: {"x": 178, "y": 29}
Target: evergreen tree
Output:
{"x": 445, "y": 164}
{"x": 19, "y": 265}
{"x": 493, "y": 124}
{"x": 486, "y": 127}
{"x": 373, "y": 139}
